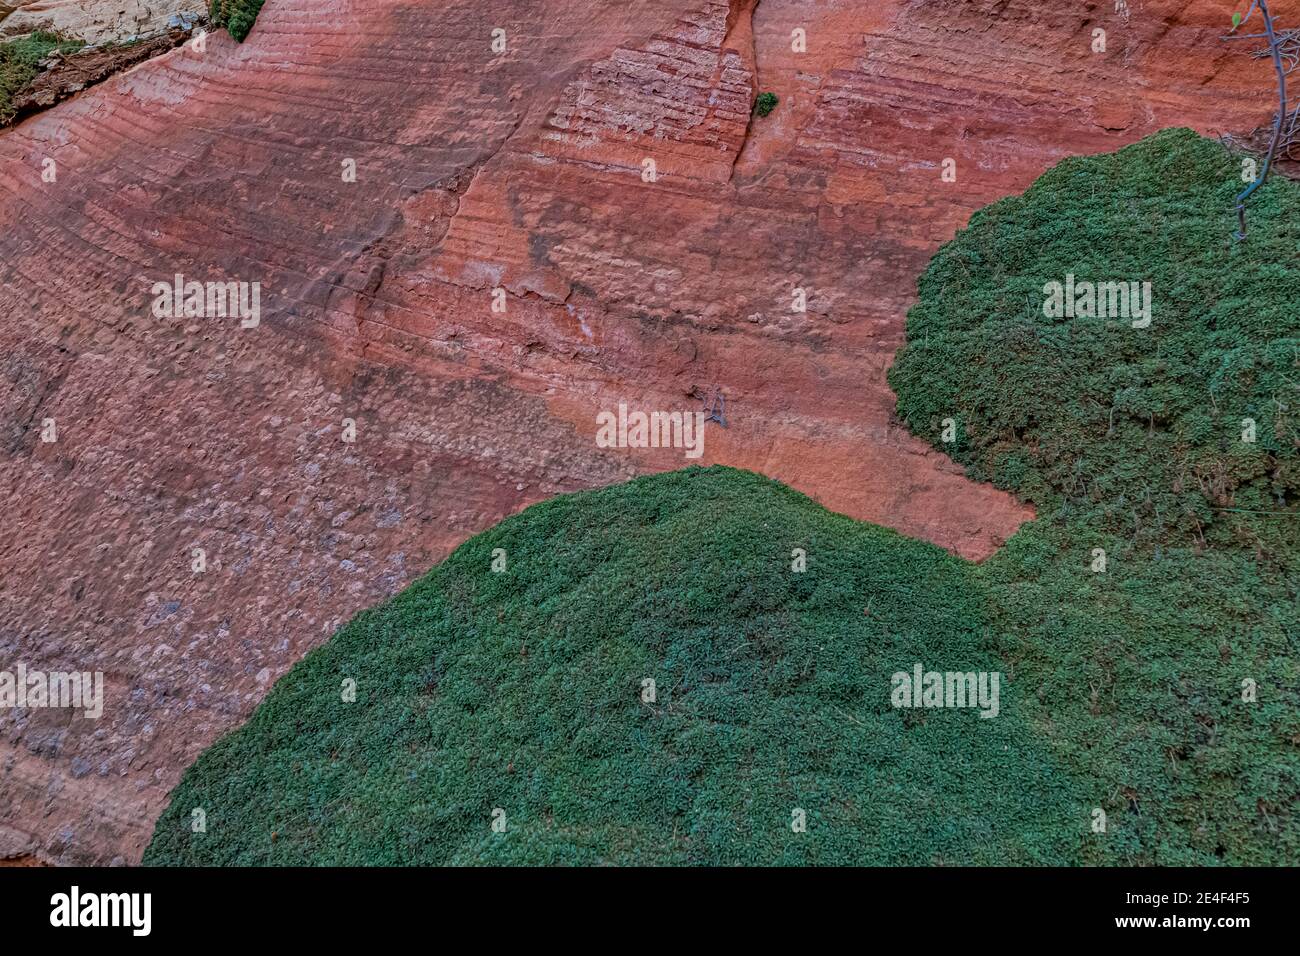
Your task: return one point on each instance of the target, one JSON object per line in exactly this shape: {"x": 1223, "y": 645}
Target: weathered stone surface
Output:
{"x": 96, "y": 21}
{"x": 474, "y": 171}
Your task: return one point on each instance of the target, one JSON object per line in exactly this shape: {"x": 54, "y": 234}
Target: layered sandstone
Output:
{"x": 476, "y": 171}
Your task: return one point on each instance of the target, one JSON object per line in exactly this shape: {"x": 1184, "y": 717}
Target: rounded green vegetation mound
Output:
{"x": 1096, "y": 412}
{"x": 237, "y": 16}
{"x": 522, "y": 696}
{"x": 1153, "y": 610}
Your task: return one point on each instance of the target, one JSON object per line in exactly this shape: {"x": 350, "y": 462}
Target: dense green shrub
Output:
{"x": 1139, "y": 428}
{"x": 1123, "y": 688}
{"x": 1129, "y": 440}
{"x": 19, "y": 61}
{"x": 237, "y": 16}
{"x": 765, "y": 103}
{"x": 522, "y": 690}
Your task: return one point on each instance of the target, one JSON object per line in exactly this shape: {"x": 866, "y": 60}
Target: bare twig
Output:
{"x": 1284, "y": 49}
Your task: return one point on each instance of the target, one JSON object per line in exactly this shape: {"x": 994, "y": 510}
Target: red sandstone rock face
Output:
{"x": 475, "y": 171}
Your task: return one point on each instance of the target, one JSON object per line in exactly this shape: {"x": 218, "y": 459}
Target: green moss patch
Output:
{"x": 523, "y": 691}
{"x": 19, "y": 64}
{"x": 1136, "y": 429}
{"x": 1130, "y": 440}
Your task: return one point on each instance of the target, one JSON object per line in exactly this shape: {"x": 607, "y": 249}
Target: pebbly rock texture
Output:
{"x": 97, "y": 21}
{"x": 474, "y": 171}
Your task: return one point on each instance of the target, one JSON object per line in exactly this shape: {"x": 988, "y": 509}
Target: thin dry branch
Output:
{"x": 1283, "y": 48}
